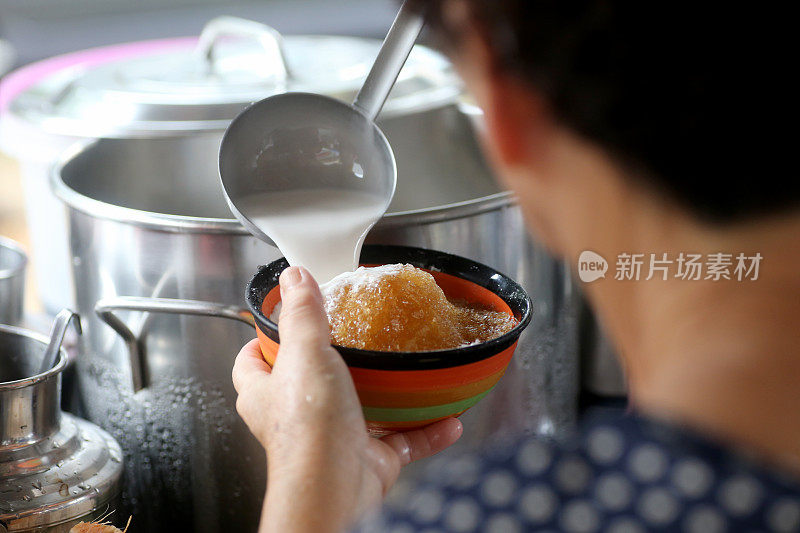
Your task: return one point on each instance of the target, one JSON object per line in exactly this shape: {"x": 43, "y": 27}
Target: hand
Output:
{"x": 323, "y": 468}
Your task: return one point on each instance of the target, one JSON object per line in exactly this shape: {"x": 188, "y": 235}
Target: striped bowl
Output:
{"x": 406, "y": 390}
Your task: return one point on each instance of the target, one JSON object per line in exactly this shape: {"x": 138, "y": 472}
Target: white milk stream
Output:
{"x": 320, "y": 229}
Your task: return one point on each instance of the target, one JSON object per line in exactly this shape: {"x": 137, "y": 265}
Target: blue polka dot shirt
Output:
{"x": 619, "y": 474}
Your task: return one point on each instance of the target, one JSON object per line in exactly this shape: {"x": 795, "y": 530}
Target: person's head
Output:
{"x": 593, "y": 107}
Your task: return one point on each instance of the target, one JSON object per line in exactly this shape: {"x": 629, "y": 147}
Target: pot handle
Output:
{"x": 106, "y": 307}
{"x": 273, "y": 62}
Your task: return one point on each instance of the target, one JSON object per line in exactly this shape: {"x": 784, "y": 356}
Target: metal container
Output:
{"x": 184, "y": 86}
{"x": 147, "y": 218}
{"x": 602, "y": 376}
{"x": 55, "y": 469}
{"x": 12, "y": 281}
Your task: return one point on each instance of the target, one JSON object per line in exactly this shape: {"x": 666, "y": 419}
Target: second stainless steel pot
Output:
{"x": 147, "y": 219}
{"x": 13, "y": 261}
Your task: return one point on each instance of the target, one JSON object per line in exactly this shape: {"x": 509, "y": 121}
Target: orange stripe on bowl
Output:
{"x": 373, "y": 381}
{"x": 401, "y": 399}
{"x": 269, "y": 348}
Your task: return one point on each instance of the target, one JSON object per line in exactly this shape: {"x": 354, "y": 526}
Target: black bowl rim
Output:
{"x": 266, "y": 279}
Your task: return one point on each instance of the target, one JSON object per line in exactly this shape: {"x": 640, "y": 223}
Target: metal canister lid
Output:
{"x": 82, "y": 482}
{"x": 187, "y": 85}
{"x": 55, "y": 469}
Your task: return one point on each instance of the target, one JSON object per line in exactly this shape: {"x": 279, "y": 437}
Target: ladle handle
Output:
{"x": 63, "y": 318}
{"x": 391, "y": 58}
{"x": 105, "y": 310}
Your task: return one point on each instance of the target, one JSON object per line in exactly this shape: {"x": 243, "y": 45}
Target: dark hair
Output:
{"x": 682, "y": 94}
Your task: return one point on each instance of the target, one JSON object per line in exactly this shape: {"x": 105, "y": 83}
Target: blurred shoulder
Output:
{"x": 614, "y": 473}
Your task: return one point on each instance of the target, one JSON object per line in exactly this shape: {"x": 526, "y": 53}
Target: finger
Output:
{"x": 418, "y": 444}
{"x": 303, "y": 324}
{"x": 249, "y": 366}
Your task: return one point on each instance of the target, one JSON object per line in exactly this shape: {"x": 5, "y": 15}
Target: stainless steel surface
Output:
{"x": 7, "y": 56}
{"x": 187, "y": 86}
{"x": 62, "y": 321}
{"x": 273, "y": 62}
{"x": 55, "y": 469}
{"x": 12, "y": 281}
{"x": 391, "y": 58}
{"x": 193, "y": 464}
{"x": 106, "y": 307}
{"x": 602, "y": 375}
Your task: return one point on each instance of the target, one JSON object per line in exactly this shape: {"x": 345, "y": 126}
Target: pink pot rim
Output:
{"x": 16, "y": 82}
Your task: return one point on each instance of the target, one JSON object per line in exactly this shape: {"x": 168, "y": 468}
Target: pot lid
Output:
{"x": 197, "y": 84}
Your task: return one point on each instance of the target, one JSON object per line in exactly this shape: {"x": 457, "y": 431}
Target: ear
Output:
{"x": 516, "y": 121}
{"x": 515, "y": 114}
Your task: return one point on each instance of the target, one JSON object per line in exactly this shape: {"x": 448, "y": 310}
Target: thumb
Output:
{"x": 302, "y": 325}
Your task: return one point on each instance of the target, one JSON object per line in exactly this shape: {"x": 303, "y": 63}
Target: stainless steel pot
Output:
{"x": 12, "y": 281}
{"x": 55, "y": 469}
{"x": 147, "y": 219}
{"x": 602, "y": 376}
{"x": 169, "y": 87}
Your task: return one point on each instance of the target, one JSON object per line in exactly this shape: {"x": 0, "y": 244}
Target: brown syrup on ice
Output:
{"x": 400, "y": 308}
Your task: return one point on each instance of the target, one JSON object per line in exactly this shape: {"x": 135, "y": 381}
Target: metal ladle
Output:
{"x": 296, "y": 141}
{"x": 57, "y": 333}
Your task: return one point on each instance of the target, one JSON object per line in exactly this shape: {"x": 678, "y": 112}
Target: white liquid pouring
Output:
{"x": 320, "y": 229}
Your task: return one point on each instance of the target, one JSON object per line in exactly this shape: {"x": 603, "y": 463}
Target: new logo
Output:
{"x": 591, "y": 266}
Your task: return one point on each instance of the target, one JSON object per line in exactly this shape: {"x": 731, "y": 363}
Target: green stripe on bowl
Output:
{"x": 390, "y": 414}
